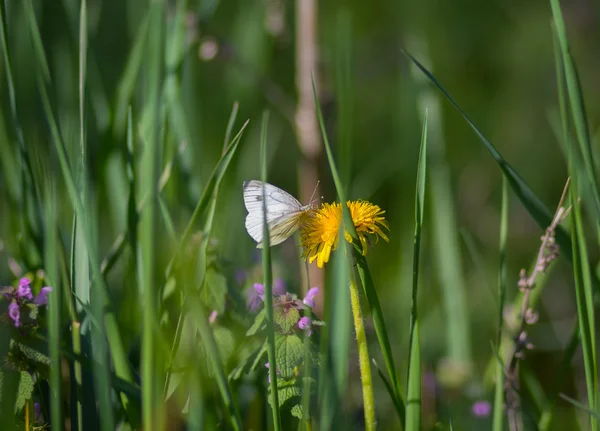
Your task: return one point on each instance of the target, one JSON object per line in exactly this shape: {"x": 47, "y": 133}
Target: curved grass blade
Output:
{"x": 413, "y": 397}
{"x": 593, "y": 413}
{"x": 532, "y": 203}
{"x": 361, "y": 263}
{"x": 268, "y": 280}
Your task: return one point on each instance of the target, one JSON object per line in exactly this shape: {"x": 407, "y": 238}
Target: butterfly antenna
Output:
{"x": 313, "y": 194}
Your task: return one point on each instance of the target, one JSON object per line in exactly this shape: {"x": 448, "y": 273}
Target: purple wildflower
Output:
{"x": 14, "y": 313}
{"x": 212, "y": 317}
{"x": 309, "y": 299}
{"x": 481, "y": 409}
{"x": 37, "y": 411}
{"x": 255, "y": 297}
{"x": 42, "y": 297}
{"x": 305, "y": 323}
{"x": 279, "y": 287}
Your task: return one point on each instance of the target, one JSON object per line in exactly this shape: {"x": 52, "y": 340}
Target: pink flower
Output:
{"x": 24, "y": 290}
{"x": 42, "y": 297}
{"x": 255, "y": 297}
{"x": 305, "y": 323}
{"x": 481, "y": 409}
{"x": 212, "y": 317}
{"x": 309, "y": 299}
{"x": 14, "y": 312}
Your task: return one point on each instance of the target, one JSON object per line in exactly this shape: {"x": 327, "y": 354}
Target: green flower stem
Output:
{"x": 363, "y": 358}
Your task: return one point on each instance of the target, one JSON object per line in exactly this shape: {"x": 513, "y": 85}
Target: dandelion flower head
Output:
{"x": 319, "y": 233}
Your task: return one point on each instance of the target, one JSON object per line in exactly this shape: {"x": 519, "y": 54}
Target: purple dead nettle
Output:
{"x": 256, "y": 296}
{"x": 305, "y": 323}
{"x": 481, "y": 408}
{"x": 22, "y": 295}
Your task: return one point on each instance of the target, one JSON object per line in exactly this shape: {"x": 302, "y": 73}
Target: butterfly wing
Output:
{"x": 283, "y": 212}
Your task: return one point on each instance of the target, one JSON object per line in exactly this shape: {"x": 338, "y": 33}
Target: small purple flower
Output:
{"x": 42, "y": 297}
{"x": 37, "y": 411}
{"x": 240, "y": 276}
{"x": 305, "y": 323}
{"x": 14, "y": 313}
{"x": 255, "y": 297}
{"x": 212, "y": 317}
{"x": 481, "y": 409}
{"x": 309, "y": 299}
{"x": 24, "y": 291}
{"x": 279, "y": 287}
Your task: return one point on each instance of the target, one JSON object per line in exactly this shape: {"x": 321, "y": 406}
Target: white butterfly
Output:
{"x": 284, "y": 212}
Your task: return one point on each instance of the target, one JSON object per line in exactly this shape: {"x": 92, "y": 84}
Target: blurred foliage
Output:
{"x": 496, "y": 59}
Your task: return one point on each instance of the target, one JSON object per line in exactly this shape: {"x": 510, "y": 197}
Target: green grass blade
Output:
{"x": 498, "y": 417}
{"x": 585, "y": 303}
{"x": 54, "y": 307}
{"x": 268, "y": 280}
{"x": 446, "y": 241}
{"x": 129, "y": 81}
{"x": 594, "y": 414}
{"x": 413, "y": 397}
{"x": 577, "y": 106}
{"x": 204, "y": 201}
{"x": 152, "y": 410}
{"x": 361, "y": 263}
{"x": 117, "y": 351}
{"x": 532, "y": 203}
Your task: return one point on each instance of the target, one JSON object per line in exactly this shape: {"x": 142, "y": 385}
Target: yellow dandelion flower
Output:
{"x": 319, "y": 232}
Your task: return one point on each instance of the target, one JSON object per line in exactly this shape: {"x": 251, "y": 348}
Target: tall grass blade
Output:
{"x": 595, "y": 414}
{"x": 268, "y": 280}
{"x": 54, "y": 306}
{"x": 152, "y": 410}
{"x": 413, "y": 397}
{"x": 577, "y": 108}
{"x": 111, "y": 329}
{"x": 498, "y": 417}
{"x": 361, "y": 263}
{"x": 446, "y": 241}
{"x": 585, "y": 302}
{"x": 205, "y": 200}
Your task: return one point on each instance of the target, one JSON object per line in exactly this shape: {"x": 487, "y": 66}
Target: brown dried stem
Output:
{"x": 547, "y": 253}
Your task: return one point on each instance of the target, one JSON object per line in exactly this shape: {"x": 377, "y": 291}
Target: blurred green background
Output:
{"x": 496, "y": 59}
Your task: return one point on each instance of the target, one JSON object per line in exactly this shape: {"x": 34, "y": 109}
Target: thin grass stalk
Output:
{"x": 54, "y": 308}
{"x": 413, "y": 397}
{"x": 363, "y": 358}
{"x": 268, "y": 280}
{"x": 498, "y": 416}
{"x": 585, "y": 306}
{"x": 446, "y": 241}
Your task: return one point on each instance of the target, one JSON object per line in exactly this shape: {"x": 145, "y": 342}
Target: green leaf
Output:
{"x": 287, "y": 319}
{"x": 297, "y": 411}
{"x": 259, "y": 323}
{"x": 289, "y": 353}
{"x": 25, "y": 390}
{"x": 287, "y": 393}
